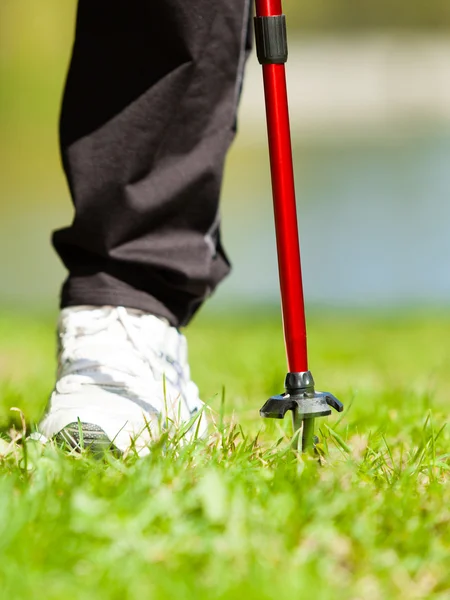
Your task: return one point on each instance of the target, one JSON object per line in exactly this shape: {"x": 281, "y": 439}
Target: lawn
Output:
{"x": 242, "y": 516}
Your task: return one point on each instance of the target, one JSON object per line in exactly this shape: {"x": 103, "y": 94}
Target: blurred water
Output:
{"x": 374, "y": 220}
{"x": 374, "y": 224}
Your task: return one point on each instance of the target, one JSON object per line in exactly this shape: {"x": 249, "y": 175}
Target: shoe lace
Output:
{"x": 111, "y": 339}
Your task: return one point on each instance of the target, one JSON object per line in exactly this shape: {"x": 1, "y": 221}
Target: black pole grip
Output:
{"x": 271, "y": 40}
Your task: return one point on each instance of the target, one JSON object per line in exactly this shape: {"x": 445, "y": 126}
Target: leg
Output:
{"x": 148, "y": 115}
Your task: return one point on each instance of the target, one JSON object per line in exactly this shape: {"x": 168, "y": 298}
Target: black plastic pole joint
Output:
{"x": 271, "y": 40}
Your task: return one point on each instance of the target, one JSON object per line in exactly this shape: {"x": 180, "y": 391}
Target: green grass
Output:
{"x": 241, "y": 516}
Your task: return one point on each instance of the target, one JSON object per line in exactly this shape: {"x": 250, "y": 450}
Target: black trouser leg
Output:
{"x": 148, "y": 115}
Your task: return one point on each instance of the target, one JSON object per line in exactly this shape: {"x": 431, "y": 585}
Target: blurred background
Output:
{"x": 370, "y": 105}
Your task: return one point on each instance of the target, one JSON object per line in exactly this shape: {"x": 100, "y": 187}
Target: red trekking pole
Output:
{"x": 301, "y": 397}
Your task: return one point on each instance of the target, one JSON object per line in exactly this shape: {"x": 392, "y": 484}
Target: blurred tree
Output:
{"x": 307, "y": 15}
{"x": 345, "y": 15}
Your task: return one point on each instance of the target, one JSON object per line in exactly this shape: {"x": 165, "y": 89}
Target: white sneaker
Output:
{"x": 123, "y": 377}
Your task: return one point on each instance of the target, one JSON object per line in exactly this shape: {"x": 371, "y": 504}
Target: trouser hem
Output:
{"x": 79, "y": 295}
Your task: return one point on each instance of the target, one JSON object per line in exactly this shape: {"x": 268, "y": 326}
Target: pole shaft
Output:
{"x": 283, "y": 186}
{"x": 268, "y": 8}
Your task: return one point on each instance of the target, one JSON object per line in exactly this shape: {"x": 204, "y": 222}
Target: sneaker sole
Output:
{"x": 86, "y": 436}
